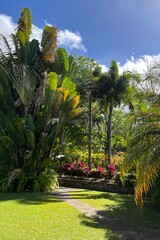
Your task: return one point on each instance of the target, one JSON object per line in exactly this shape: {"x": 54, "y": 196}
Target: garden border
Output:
{"x": 99, "y": 185}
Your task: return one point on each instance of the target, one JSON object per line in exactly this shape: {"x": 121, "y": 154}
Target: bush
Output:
{"x": 82, "y": 169}
{"x": 98, "y": 159}
{"x": 19, "y": 181}
{"x": 129, "y": 179}
{"x": 155, "y": 195}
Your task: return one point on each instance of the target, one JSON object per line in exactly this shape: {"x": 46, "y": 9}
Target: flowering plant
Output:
{"x": 111, "y": 170}
{"x": 81, "y": 169}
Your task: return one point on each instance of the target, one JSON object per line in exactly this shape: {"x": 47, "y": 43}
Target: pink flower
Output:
{"x": 72, "y": 166}
{"x": 112, "y": 168}
{"x": 100, "y": 169}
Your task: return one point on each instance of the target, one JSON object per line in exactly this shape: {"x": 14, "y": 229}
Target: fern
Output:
{"x": 47, "y": 181}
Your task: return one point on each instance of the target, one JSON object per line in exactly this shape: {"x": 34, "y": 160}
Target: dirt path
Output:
{"x": 125, "y": 230}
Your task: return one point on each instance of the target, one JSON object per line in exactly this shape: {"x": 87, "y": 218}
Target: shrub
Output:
{"x": 111, "y": 171}
{"x": 129, "y": 179}
{"x": 98, "y": 159}
{"x": 82, "y": 169}
{"x": 118, "y": 159}
{"x": 155, "y": 195}
{"x": 19, "y": 181}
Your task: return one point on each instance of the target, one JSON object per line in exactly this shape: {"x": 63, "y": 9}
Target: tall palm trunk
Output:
{"x": 90, "y": 134}
{"x": 109, "y": 132}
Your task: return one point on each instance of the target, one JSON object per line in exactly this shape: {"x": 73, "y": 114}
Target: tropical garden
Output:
{"x": 60, "y": 115}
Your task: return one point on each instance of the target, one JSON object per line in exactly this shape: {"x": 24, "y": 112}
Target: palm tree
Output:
{"x": 144, "y": 147}
{"x": 84, "y": 72}
{"x": 112, "y": 89}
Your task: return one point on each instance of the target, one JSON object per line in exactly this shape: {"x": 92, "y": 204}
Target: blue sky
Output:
{"x": 125, "y": 30}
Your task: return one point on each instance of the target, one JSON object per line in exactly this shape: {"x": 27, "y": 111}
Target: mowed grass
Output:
{"x": 39, "y": 216}
{"x": 121, "y": 206}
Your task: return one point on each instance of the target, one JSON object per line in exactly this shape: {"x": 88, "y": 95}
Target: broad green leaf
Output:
{"x": 52, "y": 80}
{"x": 72, "y": 87}
{"x": 21, "y": 37}
{"x": 61, "y": 64}
{"x": 72, "y": 94}
{"x": 66, "y": 82}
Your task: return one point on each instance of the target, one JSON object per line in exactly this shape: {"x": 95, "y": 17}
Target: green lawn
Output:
{"x": 38, "y": 216}
{"x": 121, "y": 206}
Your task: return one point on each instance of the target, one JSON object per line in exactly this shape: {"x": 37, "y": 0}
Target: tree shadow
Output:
{"x": 123, "y": 215}
{"x": 29, "y": 198}
{"x": 97, "y": 223}
{"x": 118, "y": 230}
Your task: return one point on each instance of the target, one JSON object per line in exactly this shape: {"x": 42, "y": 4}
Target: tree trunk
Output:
{"x": 106, "y": 141}
{"x": 63, "y": 142}
{"x": 90, "y": 134}
{"x": 109, "y": 132}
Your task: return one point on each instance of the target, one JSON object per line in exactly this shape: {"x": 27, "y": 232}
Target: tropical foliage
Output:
{"x": 37, "y": 101}
{"x": 112, "y": 90}
{"x": 39, "y": 116}
{"x": 144, "y": 148}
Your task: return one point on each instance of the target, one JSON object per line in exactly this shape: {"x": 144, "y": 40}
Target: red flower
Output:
{"x": 99, "y": 169}
{"x": 72, "y": 166}
{"x": 112, "y": 168}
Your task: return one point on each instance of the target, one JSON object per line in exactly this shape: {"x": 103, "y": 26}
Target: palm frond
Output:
{"x": 144, "y": 151}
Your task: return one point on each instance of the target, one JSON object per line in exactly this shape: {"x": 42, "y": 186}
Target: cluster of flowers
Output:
{"x": 81, "y": 169}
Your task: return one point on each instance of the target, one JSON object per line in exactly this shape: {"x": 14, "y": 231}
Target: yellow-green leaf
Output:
{"x": 52, "y": 80}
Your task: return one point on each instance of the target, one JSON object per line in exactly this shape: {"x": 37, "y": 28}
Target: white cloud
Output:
{"x": 103, "y": 68}
{"x": 71, "y": 40}
{"x": 139, "y": 65}
{"x": 143, "y": 66}
{"x": 7, "y": 25}
{"x": 66, "y": 38}
{"x": 36, "y": 33}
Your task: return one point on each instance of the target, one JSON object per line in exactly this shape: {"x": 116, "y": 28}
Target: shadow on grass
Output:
{"x": 29, "y": 198}
{"x": 97, "y": 223}
{"x": 123, "y": 214}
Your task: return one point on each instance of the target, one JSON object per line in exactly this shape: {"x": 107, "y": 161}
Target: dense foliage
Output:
{"x": 39, "y": 117}
{"x": 36, "y": 103}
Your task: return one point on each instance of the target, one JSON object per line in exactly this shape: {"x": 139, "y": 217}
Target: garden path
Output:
{"x": 125, "y": 230}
